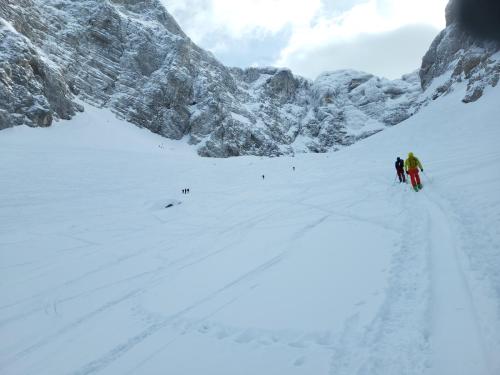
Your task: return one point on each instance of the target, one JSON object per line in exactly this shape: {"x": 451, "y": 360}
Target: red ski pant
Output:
{"x": 415, "y": 178}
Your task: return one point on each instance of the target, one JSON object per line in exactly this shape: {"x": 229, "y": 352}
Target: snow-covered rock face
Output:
{"x": 132, "y": 57}
{"x": 128, "y": 55}
{"x": 32, "y": 90}
{"x": 359, "y": 105}
{"x": 467, "y": 49}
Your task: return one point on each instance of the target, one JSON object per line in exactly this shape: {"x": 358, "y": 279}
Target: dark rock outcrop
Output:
{"x": 32, "y": 90}
{"x": 467, "y": 50}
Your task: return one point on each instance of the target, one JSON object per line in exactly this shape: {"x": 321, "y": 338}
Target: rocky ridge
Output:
{"x": 131, "y": 56}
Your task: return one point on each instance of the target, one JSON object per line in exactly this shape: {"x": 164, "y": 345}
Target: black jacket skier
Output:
{"x": 400, "y": 169}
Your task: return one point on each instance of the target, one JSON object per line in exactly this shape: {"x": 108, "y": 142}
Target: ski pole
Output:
{"x": 427, "y": 177}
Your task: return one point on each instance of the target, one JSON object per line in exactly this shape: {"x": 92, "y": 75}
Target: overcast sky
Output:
{"x": 384, "y": 37}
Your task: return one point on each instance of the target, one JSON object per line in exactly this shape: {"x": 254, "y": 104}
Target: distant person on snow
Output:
{"x": 400, "y": 169}
{"x": 412, "y": 164}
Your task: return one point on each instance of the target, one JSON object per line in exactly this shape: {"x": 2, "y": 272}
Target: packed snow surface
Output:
{"x": 331, "y": 268}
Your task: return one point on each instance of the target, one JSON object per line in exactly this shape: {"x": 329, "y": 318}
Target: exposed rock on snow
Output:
{"x": 467, "y": 48}
{"x": 132, "y": 57}
{"x": 32, "y": 91}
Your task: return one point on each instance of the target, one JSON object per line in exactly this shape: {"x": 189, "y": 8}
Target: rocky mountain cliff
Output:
{"x": 467, "y": 50}
{"x": 132, "y": 57}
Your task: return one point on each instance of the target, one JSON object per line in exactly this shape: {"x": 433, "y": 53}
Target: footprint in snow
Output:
{"x": 245, "y": 337}
{"x": 204, "y": 329}
{"x": 299, "y": 361}
{"x": 222, "y": 334}
{"x": 298, "y": 344}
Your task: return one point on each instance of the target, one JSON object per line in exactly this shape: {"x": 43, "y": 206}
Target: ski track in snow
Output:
{"x": 455, "y": 316}
{"x": 330, "y": 269}
{"x": 400, "y": 324}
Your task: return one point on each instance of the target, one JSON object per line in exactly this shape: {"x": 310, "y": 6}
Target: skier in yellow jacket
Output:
{"x": 412, "y": 164}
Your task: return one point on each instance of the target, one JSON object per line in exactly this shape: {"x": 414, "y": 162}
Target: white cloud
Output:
{"x": 263, "y": 16}
{"x": 310, "y": 26}
{"x": 195, "y": 17}
{"x": 388, "y": 54}
{"x": 237, "y": 19}
{"x": 370, "y": 17}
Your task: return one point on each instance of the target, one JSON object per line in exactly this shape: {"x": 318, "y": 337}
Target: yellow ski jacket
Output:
{"x": 412, "y": 162}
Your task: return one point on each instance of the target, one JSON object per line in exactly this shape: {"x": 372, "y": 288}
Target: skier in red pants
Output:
{"x": 412, "y": 165}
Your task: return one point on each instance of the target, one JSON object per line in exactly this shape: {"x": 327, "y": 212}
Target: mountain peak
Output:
{"x": 132, "y": 57}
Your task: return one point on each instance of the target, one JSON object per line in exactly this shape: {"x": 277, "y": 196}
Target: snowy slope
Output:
{"x": 328, "y": 269}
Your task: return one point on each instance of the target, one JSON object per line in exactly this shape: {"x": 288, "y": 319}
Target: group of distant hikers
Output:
{"x": 410, "y": 166}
